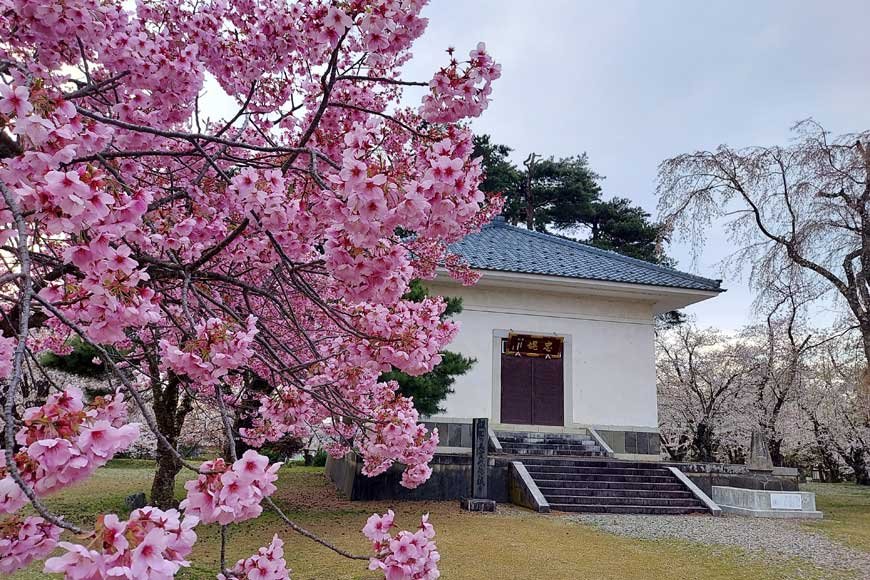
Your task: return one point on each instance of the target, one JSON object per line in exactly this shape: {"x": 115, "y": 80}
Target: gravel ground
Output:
{"x": 767, "y": 539}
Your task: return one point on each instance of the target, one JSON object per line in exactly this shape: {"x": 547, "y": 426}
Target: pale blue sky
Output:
{"x": 634, "y": 82}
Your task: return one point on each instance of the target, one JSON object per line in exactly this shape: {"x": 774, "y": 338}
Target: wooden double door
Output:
{"x": 532, "y": 390}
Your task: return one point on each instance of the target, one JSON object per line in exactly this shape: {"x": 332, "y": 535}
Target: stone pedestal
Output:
{"x": 479, "y": 500}
{"x": 477, "y": 505}
{"x": 766, "y": 504}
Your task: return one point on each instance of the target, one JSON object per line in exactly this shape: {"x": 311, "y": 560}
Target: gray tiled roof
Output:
{"x": 499, "y": 246}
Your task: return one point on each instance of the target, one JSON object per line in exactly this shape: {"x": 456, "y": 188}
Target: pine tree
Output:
{"x": 430, "y": 390}
{"x": 564, "y": 196}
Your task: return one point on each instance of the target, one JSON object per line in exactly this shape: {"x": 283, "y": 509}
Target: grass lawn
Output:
{"x": 513, "y": 544}
{"x": 847, "y": 512}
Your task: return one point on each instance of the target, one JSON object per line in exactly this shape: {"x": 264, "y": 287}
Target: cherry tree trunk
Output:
{"x": 169, "y": 412}
{"x": 775, "y": 446}
{"x": 704, "y": 443}
{"x": 163, "y": 486}
{"x": 860, "y": 466}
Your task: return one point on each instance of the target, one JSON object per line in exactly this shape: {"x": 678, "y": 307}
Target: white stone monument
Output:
{"x": 762, "y": 503}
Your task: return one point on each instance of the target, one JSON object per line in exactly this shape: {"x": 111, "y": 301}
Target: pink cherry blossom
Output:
{"x": 64, "y": 441}
{"x": 15, "y": 100}
{"x": 378, "y": 528}
{"x": 7, "y": 350}
{"x": 226, "y": 494}
{"x": 405, "y": 556}
{"x": 22, "y": 541}
{"x": 151, "y": 545}
{"x": 267, "y": 564}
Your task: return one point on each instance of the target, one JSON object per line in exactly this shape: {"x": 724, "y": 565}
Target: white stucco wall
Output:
{"x": 609, "y": 358}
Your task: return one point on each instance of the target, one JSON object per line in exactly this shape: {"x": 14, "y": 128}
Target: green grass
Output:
{"x": 846, "y": 508}
{"x": 514, "y": 543}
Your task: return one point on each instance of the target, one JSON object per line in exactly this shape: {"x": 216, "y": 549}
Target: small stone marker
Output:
{"x": 136, "y": 501}
{"x": 759, "y": 453}
{"x": 479, "y": 500}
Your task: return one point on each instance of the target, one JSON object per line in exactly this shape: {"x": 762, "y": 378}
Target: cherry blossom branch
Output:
{"x": 385, "y": 80}
{"x": 128, "y": 386}
{"x": 17, "y": 360}
{"x": 331, "y": 71}
{"x": 390, "y": 118}
{"x": 96, "y": 87}
{"x": 310, "y": 535}
{"x": 193, "y": 137}
{"x": 240, "y": 112}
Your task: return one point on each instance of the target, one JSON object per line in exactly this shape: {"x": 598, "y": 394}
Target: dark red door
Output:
{"x": 532, "y": 390}
{"x": 547, "y": 392}
{"x": 516, "y": 389}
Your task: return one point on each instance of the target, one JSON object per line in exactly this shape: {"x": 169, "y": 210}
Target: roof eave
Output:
{"x": 663, "y": 298}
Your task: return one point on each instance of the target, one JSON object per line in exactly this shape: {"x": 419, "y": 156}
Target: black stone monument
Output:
{"x": 479, "y": 500}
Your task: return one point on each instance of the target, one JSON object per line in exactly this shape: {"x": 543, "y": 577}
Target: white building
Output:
{"x": 549, "y": 293}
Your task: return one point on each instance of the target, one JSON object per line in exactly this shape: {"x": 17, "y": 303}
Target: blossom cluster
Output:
{"x": 7, "y": 350}
{"x": 267, "y": 564}
{"x": 216, "y": 349}
{"x": 75, "y": 201}
{"x": 64, "y": 441}
{"x": 399, "y": 438}
{"x": 25, "y": 540}
{"x": 394, "y": 434}
{"x": 405, "y": 555}
{"x": 461, "y": 92}
{"x": 226, "y": 494}
{"x": 151, "y": 545}
{"x": 374, "y": 200}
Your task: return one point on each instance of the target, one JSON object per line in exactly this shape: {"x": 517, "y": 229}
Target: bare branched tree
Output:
{"x": 799, "y": 212}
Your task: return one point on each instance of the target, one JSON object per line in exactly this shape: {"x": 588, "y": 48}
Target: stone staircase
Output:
{"x": 549, "y": 444}
{"x": 611, "y": 486}
{"x": 575, "y": 475}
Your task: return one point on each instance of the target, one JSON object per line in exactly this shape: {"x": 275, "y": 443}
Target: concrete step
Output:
{"x": 569, "y": 476}
{"x": 627, "y": 509}
{"x": 623, "y": 501}
{"x": 551, "y": 447}
{"x": 547, "y": 441}
{"x": 597, "y": 470}
{"x": 528, "y": 451}
{"x": 540, "y": 435}
{"x": 592, "y": 462}
{"x": 614, "y": 485}
{"x": 581, "y": 484}
{"x": 552, "y": 491}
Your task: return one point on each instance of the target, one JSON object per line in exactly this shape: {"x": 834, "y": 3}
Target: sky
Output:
{"x": 632, "y": 83}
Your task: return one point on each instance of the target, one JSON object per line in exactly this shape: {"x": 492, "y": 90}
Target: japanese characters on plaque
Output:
{"x": 534, "y": 345}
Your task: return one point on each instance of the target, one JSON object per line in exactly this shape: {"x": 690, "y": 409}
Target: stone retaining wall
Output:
{"x": 451, "y": 479}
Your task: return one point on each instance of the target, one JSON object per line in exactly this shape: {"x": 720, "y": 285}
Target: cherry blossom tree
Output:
{"x": 836, "y": 406}
{"x": 779, "y": 350}
{"x": 806, "y": 388}
{"x": 702, "y": 376}
{"x": 199, "y": 255}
